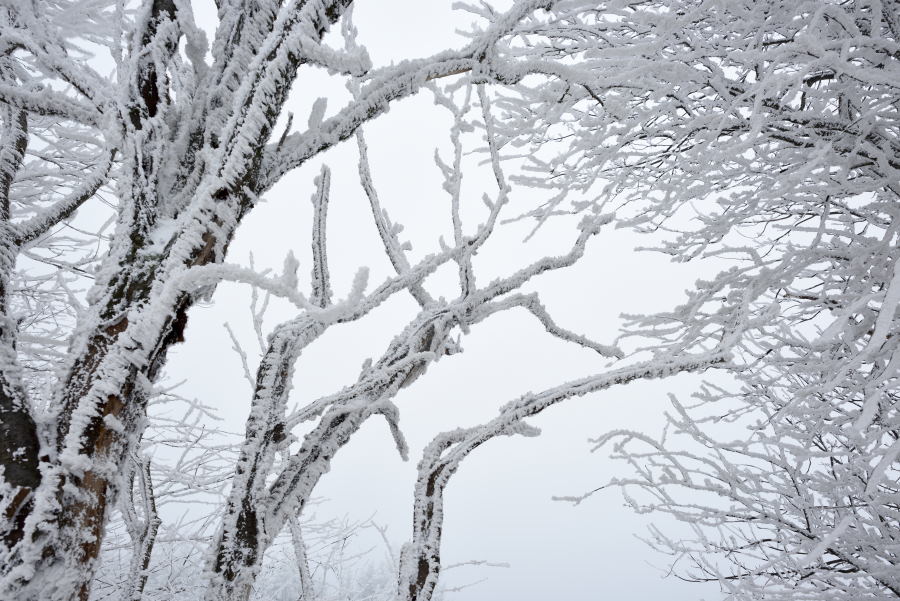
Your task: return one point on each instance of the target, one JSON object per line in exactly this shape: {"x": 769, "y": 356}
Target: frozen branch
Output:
{"x": 321, "y": 289}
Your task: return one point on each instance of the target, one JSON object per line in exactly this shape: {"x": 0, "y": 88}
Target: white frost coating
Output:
{"x": 885, "y": 324}
{"x": 878, "y": 473}
{"x": 826, "y": 541}
{"x": 763, "y": 134}
{"x": 317, "y": 113}
{"x": 114, "y": 423}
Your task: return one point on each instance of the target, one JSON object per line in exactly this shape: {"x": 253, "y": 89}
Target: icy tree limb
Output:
{"x": 307, "y": 590}
{"x": 387, "y": 231}
{"x": 424, "y": 340}
{"x": 143, "y": 535}
{"x": 387, "y": 85}
{"x": 27, "y": 231}
{"x": 532, "y": 303}
{"x": 238, "y": 539}
{"x": 420, "y": 562}
{"x": 50, "y": 104}
{"x": 321, "y": 287}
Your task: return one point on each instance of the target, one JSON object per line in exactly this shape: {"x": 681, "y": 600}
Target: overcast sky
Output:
{"x": 499, "y": 505}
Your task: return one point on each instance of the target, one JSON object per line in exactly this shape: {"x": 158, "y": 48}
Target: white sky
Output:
{"x": 499, "y": 505}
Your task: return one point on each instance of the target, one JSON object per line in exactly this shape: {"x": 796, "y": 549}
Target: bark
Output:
{"x": 143, "y": 534}
{"x": 420, "y": 561}
{"x": 19, "y": 444}
{"x": 261, "y": 514}
{"x": 102, "y": 401}
{"x": 241, "y": 533}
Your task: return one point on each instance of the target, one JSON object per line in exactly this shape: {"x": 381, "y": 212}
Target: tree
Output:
{"x": 186, "y": 148}
{"x": 776, "y": 125}
{"x": 620, "y": 103}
